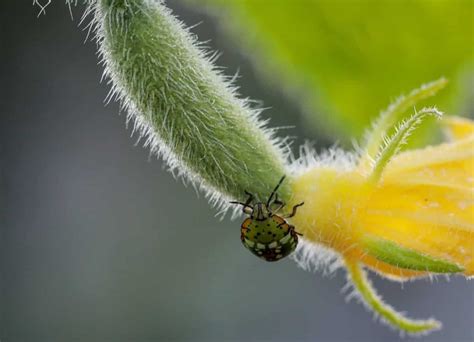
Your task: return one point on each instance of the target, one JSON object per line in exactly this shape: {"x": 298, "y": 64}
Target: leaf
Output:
{"x": 393, "y": 254}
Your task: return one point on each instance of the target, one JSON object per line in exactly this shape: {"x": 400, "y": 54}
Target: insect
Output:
{"x": 264, "y": 233}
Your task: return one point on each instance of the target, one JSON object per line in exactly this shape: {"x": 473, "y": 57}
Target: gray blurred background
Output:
{"x": 100, "y": 243}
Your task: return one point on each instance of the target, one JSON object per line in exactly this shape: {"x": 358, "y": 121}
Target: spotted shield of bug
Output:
{"x": 265, "y": 233}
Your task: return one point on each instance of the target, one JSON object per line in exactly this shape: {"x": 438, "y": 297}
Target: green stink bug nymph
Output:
{"x": 264, "y": 233}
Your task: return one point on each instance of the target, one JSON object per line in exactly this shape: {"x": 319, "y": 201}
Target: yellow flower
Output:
{"x": 424, "y": 202}
{"x": 403, "y": 215}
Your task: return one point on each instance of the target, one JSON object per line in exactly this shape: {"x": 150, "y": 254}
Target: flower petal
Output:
{"x": 425, "y": 203}
{"x": 456, "y": 127}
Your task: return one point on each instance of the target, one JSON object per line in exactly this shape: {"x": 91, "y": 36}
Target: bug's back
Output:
{"x": 270, "y": 239}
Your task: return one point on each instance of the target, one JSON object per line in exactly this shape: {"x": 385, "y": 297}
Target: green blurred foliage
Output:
{"x": 346, "y": 60}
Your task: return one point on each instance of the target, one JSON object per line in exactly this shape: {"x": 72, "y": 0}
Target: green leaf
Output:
{"x": 344, "y": 60}
{"x": 402, "y": 257}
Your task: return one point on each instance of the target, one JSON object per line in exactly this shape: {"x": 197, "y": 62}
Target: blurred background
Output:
{"x": 98, "y": 242}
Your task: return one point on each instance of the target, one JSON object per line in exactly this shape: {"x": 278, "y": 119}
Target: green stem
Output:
{"x": 188, "y": 111}
{"x": 395, "y": 113}
{"x": 392, "y": 115}
{"x": 395, "y": 142}
{"x": 363, "y": 285}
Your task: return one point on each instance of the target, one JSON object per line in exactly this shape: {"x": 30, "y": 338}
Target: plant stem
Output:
{"x": 188, "y": 111}
{"x": 387, "y": 313}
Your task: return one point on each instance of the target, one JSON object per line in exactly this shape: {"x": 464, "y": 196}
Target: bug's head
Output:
{"x": 260, "y": 212}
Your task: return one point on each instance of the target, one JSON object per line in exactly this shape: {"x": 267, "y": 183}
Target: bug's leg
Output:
{"x": 240, "y": 203}
{"x": 293, "y": 212}
{"x": 247, "y": 208}
{"x": 250, "y": 199}
{"x": 280, "y": 204}
{"x": 293, "y": 228}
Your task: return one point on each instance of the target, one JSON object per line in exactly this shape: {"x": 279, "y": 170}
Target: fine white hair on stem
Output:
{"x": 333, "y": 157}
{"x": 41, "y": 6}
{"x": 314, "y": 257}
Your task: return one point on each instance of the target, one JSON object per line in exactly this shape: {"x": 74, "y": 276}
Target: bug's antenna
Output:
{"x": 275, "y": 190}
